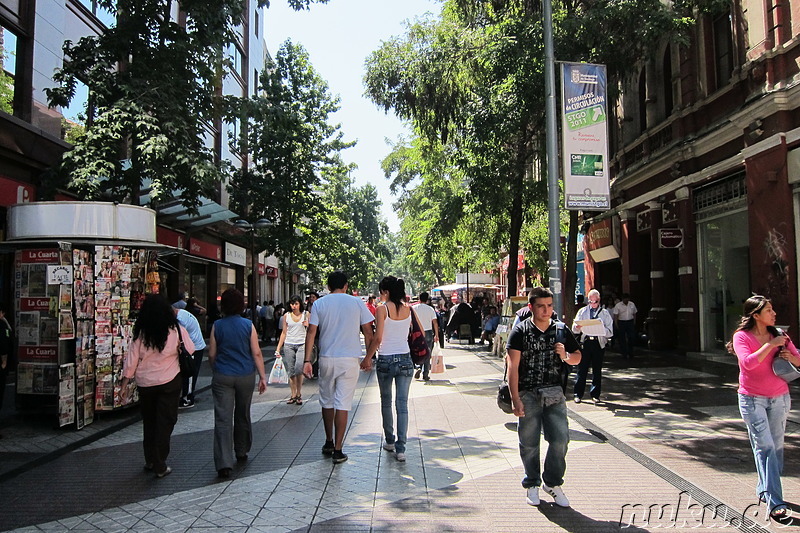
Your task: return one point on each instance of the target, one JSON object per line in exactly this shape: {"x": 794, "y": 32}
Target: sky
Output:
{"x": 338, "y": 37}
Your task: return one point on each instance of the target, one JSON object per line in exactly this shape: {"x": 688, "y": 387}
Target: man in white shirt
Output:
{"x": 593, "y": 347}
{"x": 427, "y": 317}
{"x": 625, "y": 322}
{"x": 338, "y": 317}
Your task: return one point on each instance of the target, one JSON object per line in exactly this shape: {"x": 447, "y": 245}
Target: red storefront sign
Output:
{"x": 15, "y": 192}
{"x": 520, "y": 261}
{"x": 272, "y": 272}
{"x": 38, "y": 354}
{"x": 170, "y": 238}
{"x": 262, "y": 269}
{"x": 599, "y": 235}
{"x": 205, "y": 249}
{"x": 34, "y": 304}
{"x": 49, "y": 255}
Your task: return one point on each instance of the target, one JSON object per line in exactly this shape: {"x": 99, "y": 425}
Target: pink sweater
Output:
{"x": 758, "y": 379}
{"x": 151, "y": 367}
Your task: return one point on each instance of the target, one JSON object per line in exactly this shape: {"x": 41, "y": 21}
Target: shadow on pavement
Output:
{"x": 572, "y": 520}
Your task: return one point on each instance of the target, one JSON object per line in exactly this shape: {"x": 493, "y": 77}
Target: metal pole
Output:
{"x": 254, "y": 261}
{"x": 553, "y": 197}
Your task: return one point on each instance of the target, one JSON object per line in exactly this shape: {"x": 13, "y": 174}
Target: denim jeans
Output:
{"x": 397, "y": 369}
{"x": 188, "y": 391}
{"x": 426, "y": 366}
{"x": 766, "y": 423}
{"x": 552, "y": 420}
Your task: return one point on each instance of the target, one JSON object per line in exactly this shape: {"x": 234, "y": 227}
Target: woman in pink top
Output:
{"x": 764, "y": 400}
{"x": 153, "y": 360}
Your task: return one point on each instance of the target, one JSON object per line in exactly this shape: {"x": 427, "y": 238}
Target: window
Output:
{"x": 256, "y": 22}
{"x": 642, "y": 101}
{"x": 103, "y": 15}
{"x": 235, "y": 57}
{"x": 254, "y": 83}
{"x": 723, "y": 49}
{"x": 667, "y": 88}
{"x": 8, "y": 69}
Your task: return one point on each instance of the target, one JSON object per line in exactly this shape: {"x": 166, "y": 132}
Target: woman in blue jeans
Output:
{"x": 764, "y": 400}
{"x": 235, "y": 357}
{"x": 394, "y": 366}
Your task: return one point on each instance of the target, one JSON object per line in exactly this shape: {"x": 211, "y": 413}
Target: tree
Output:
{"x": 6, "y": 81}
{"x": 152, "y": 82}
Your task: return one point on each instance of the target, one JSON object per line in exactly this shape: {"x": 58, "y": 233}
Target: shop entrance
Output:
{"x": 724, "y": 253}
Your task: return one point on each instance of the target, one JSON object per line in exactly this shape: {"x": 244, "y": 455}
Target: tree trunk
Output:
{"x": 515, "y": 217}
{"x": 570, "y": 274}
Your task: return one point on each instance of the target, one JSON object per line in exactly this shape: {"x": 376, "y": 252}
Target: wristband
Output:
{"x": 309, "y": 362}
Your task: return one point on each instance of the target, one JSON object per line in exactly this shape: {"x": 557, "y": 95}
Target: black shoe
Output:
{"x": 327, "y": 449}
{"x": 577, "y": 399}
{"x": 417, "y": 373}
{"x": 167, "y": 471}
{"x": 426, "y": 378}
{"x": 241, "y": 458}
{"x": 185, "y": 404}
{"x": 339, "y": 457}
{"x": 224, "y": 473}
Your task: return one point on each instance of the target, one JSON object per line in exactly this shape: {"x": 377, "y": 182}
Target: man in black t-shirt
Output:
{"x": 537, "y": 347}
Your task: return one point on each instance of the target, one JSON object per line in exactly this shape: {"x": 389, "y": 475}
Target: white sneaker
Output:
{"x": 388, "y": 447}
{"x": 533, "y": 496}
{"x": 401, "y": 457}
{"x": 557, "y": 494}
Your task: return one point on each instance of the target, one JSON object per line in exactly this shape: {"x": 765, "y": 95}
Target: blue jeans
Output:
{"x": 766, "y": 424}
{"x": 399, "y": 369}
{"x": 426, "y": 366}
{"x": 552, "y": 420}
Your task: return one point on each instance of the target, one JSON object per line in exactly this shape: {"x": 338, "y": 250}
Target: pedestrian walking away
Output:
{"x": 593, "y": 346}
{"x": 235, "y": 358}
{"x": 293, "y": 342}
{"x": 338, "y": 318}
{"x": 536, "y": 349}
{"x": 394, "y": 366}
{"x": 192, "y": 326}
{"x": 430, "y": 324}
{"x": 625, "y": 322}
{"x": 153, "y": 360}
{"x": 764, "y": 400}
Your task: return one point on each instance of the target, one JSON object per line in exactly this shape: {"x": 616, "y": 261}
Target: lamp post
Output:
{"x": 242, "y": 224}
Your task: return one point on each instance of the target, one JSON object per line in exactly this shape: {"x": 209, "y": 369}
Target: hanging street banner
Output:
{"x": 585, "y": 137}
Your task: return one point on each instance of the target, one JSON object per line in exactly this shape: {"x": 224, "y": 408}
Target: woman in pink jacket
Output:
{"x": 153, "y": 360}
{"x": 764, "y": 400}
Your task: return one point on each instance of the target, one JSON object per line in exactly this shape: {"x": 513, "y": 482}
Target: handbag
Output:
{"x": 785, "y": 370}
{"x": 185, "y": 359}
{"x": 504, "y": 395}
{"x": 417, "y": 345}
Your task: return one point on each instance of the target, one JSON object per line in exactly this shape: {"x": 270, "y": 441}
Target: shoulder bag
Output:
{"x": 417, "y": 344}
{"x": 185, "y": 359}
{"x": 504, "y": 394}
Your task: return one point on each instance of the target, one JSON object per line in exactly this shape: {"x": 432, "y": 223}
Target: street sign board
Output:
{"x": 670, "y": 238}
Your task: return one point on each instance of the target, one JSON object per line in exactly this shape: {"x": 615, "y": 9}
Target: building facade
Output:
{"x": 705, "y": 146}
{"x": 214, "y": 255}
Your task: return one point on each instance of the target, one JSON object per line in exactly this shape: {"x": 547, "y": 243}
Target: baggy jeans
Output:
{"x": 233, "y": 431}
{"x": 765, "y": 419}
{"x": 552, "y": 420}
{"x": 397, "y": 369}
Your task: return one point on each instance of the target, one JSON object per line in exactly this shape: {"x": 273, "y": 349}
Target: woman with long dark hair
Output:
{"x": 153, "y": 360}
{"x": 394, "y": 366}
{"x": 235, "y": 357}
{"x": 764, "y": 400}
{"x": 293, "y": 341}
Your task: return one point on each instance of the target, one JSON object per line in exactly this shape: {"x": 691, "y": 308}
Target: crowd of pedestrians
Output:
{"x": 322, "y": 338}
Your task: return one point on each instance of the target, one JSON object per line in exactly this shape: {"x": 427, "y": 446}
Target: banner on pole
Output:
{"x": 584, "y": 149}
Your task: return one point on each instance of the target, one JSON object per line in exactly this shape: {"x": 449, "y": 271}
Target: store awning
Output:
{"x": 175, "y": 215}
{"x": 459, "y": 286}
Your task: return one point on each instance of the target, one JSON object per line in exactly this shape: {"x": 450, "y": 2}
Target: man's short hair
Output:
{"x": 538, "y": 292}
{"x": 423, "y": 297}
{"x": 337, "y": 280}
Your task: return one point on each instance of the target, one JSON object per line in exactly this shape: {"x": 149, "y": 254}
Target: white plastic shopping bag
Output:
{"x": 437, "y": 360}
{"x": 278, "y": 373}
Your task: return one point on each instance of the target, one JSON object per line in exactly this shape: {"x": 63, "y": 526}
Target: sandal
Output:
{"x": 291, "y": 400}
{"x": 299, "y": 400}
{"x": 779, "y": 514}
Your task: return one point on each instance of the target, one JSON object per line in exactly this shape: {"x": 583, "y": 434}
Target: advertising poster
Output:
{"x": 585, "y": 137}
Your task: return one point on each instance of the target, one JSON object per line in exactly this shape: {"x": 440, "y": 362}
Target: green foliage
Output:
{"x": 297, "y": 178}
{"x": 6, "y": 83}
{"x": 152, "y": 83}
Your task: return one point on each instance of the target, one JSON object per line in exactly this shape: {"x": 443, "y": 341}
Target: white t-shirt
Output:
{"x": 339, "y": 317}
{"x": 426, "y": 315}
{"x": 625, "y": 312}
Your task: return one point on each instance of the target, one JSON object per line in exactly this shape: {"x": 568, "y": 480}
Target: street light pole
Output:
{"x": 242, "y": 224}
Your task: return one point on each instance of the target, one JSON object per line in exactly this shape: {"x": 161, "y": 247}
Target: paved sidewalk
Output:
{"x": 665, "y": 450}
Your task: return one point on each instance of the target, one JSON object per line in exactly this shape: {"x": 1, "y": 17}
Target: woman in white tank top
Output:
{"x": 293, "y": 341}
{"x": 394, "y": 366}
